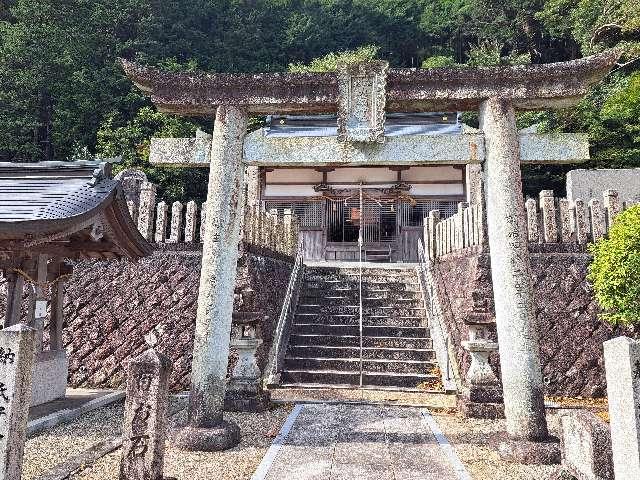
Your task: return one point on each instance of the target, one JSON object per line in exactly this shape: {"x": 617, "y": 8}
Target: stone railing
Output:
{"x": 184, "y": 223}
{"x": 550, "y": 220}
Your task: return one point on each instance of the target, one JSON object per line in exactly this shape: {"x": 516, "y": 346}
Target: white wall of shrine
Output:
{"x": 428, "y": 181}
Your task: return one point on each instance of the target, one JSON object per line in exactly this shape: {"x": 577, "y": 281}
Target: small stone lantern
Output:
{"x": 244, "y": 389}
{"x": 481, "y": 395}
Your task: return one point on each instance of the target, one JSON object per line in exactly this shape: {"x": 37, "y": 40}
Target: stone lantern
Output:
{"x": 481, "y": 395}
{"x": 244, "y": 389}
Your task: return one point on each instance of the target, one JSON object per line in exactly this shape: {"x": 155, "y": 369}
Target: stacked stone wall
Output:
{"x": 571, "y": 335}
{"x": 110, "y": 307}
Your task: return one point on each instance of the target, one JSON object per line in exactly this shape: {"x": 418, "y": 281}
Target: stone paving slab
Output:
{"x": 360, "y": 442}
{"x": 433, "y": 401}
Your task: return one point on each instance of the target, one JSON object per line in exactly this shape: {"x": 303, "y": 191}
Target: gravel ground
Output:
{"x": 469, "y": 438}
{"x": 239, "y": 463}
{"x": 47, "y": 449}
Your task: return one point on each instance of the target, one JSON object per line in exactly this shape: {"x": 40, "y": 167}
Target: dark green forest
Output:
{"x": 63, "y": 97}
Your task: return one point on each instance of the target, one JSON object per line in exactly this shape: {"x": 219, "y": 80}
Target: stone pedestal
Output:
{"x": 481, "y": 396}
{"x": 206, "y": 429}
{"x": 244, "y": 390}
{"x": 586, "y": 446}
{"x": 49, "y": 376}
{"x": 523, "y": 387}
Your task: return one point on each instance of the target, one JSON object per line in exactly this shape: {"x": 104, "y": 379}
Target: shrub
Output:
{"x": 438, "y": 61}
{"x": 615, "y": 270}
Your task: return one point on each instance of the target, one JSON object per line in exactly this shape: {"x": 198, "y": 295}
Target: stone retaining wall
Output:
{"x": 111, "y": 306}
{"x": 571, "y": 335}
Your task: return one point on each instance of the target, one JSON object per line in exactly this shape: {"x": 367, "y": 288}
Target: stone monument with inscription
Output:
{"x": 145, "y": 419}
{"x": 17, "y": 348}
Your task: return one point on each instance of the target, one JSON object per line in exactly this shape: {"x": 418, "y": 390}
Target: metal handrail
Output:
{"x": 286, "y": 314}
{"x": 360, "y": 245}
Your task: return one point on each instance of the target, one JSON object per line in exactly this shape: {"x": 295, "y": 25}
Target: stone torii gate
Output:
{"x": 361, "y": 94}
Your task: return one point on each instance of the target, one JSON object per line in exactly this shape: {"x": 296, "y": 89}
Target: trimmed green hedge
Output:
{"x": 615, "y": 270}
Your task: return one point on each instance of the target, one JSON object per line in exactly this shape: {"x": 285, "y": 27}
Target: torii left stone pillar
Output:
{"x": 206, "y": 429}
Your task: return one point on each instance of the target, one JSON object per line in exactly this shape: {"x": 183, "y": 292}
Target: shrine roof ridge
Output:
{"x": 552, "y": 85}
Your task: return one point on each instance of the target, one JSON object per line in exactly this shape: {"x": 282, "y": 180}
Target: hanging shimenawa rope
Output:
{"x": 337, "y": 199}
{"x": 32, "y": 280}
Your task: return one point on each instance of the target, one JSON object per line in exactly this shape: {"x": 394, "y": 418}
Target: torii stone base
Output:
{"x": 222, "y": 436}
{"x": 528, "y": 452}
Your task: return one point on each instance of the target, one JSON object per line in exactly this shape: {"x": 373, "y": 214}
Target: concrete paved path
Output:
{"x": 360, "y": 442}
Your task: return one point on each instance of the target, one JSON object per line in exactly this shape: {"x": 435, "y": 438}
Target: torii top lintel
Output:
{"x": 553, "y": 85}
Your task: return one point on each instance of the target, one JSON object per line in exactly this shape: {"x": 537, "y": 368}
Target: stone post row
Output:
{"x": 511, "y": 272}
{"x": 17, "y": 348}
{"x": 206, "y": 429}
{"x": 145, "y": 417}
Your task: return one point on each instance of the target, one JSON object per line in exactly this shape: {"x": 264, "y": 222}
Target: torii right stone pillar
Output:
{"x": 206, "y": 430}
{"x": 511, "y": 273}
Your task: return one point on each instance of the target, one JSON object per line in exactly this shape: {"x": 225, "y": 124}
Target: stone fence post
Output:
{"x": 161, "y": 222}
{"x": 176, "y": 222}
{"x": 549, "y": 223}
{"x": 203, "y": 217}
{"x": 146, "y": 210}
{"x": 583, "y": 225}
{"x": 622, "y": 364}
{"x": 434, "y": 237}
{"x": 288, "y": 232}
{"x": 145, "y": 418}
{"x": 565, "y": 214}
{"x": 532, "y": 220}
{"x": 17, "y": 347}
{"x": 190, "y": 222}
{"x": 612, "y": 205}
{"x": 598, "y": 220}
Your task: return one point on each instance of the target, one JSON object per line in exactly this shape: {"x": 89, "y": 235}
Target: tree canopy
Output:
{"x": 62, "y": 95}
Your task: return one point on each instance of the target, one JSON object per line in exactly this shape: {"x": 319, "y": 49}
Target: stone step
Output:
{"x": 355, "y": 278}
{"x": 311, "y": 351}
{"x": 398, "y": 310}
{"x": 335, "y": 377}
{"x": 353, "y": 364}
{"x": 351, "y": 271}
{"x": 353, "y": 319}
{"x": 354, "y": 330}
{"x": 315, "y": 339}
{"x": 330, "y": 298}
{"x": 339, "y": 285}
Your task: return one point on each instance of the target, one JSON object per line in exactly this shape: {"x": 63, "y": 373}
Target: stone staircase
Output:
{"x": 324, "y": 345}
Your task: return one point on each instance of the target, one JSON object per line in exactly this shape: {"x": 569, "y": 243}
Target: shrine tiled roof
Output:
{"x": 73, "y": 209}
